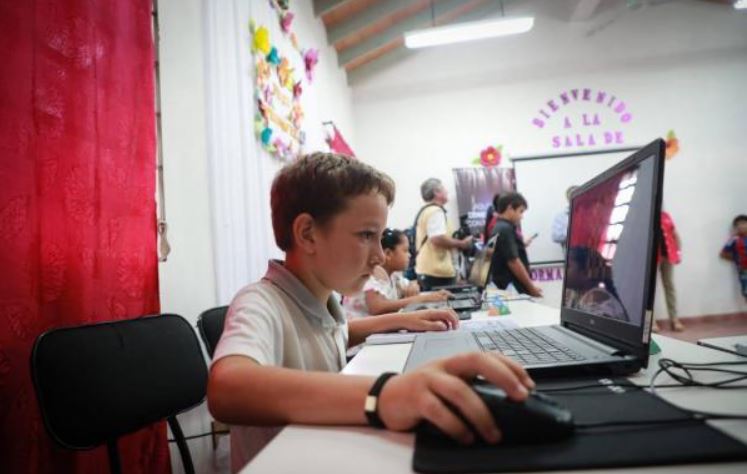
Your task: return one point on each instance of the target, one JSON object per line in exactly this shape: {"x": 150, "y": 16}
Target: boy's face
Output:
{"x": 348, "y": 247}
{"x": 741, "y": 228}
{"x": 515, "y": 214}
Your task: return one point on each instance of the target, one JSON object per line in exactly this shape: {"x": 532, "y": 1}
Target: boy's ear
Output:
{"x": 304, "y": 233}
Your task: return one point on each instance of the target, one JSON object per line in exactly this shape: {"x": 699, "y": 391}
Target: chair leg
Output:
{"x": 181, "y": 443}
{"x": 115, "y": 466}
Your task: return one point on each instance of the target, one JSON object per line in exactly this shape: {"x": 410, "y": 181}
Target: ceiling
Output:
{"x": 370, "y": 33}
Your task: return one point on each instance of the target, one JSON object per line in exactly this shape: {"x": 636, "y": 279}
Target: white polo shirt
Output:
{"x": 278, "y": 322}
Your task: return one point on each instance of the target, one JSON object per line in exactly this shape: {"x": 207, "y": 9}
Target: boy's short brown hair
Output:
{"x": 320, "y": 184}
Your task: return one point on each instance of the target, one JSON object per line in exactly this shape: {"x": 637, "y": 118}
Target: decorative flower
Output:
{"x": 294, "y": 40}
{"x": 263, "y": 70}
{"x": 261, "y": 108}
{"x": 285, "y": 73}
{"x": 490, "y": 156}
{"x": 285, "y": 21}
{"x": 266, "y": 136}
{"x": 297, "y": 115}
{"x": 273, "y": 57}
{"x": 297, "y": 90}
{"x": 259, "y": 124}
{"x": 310, "y": 59}
{"x": 261, "y": 41}
{"x": 673, "y": 145}
{"x": 267, "y": 95}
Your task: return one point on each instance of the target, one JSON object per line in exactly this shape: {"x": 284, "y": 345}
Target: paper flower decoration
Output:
{"x": 285, "y": 74}
{"x": 273, "y": 57}
{"x": 285, "y": 21}
{"x": 297, "y": 90}
{"x": 673, "y": 145}
{"x": 297, "y": 115}
{"x": 261, "y": 41}
{"x": 263, "y": 70}
{"x": 310, "y": 58}
{"x": 266, "y": 136}
{"x": 490, "y": 156}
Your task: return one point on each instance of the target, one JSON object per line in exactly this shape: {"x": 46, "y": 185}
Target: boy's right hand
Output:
{"x": 408, "y": 399}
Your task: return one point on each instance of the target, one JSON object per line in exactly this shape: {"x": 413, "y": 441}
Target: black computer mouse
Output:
{"x": 538, "y": 419}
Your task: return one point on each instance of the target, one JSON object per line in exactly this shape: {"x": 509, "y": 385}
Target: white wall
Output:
{"x": 187, "y": 279}
{"x": 678, "y": 65}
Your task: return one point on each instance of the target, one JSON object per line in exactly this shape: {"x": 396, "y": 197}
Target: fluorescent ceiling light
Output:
{"x": 467, "y": 31}
{"x": 740, "y": 4}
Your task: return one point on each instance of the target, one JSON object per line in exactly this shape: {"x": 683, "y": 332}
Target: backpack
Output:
{"x": 411, "y": 233}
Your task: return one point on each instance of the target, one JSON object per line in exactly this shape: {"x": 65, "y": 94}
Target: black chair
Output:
{"x": 97, "y": 382}
{"x": 210, "y": 325}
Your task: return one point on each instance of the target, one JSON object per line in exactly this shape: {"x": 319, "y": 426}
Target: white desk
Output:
{"x": 327, "y": 450}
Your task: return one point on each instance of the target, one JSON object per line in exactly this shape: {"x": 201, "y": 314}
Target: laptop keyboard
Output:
{"x": 526, "y": 346}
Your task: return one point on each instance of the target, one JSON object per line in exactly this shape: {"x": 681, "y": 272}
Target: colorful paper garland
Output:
{"x": 268, "y": 60}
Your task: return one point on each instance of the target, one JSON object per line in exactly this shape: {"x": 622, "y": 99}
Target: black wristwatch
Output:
{"x": 371, "y": 408}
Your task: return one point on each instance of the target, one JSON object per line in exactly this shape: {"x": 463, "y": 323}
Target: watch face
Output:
{"x": 370, "y": 406}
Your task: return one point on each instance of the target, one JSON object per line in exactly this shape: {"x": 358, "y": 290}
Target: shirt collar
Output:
{"x": 328, "y": 317}
{"x": 506, "y": 221}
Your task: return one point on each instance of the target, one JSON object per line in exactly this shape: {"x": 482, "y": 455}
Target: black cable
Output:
{"x": 684, "y": 379}
{"x": 187, "y": 438}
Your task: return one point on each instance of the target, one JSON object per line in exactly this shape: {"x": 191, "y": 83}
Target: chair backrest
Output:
{"x": 97, "y": 382}
{"x": 210, "y": 325}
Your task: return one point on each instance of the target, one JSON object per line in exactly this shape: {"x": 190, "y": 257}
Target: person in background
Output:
{"x": 669, "y": 256}
{"x": 388, "y": 291}
{"x": 490, "y": 217}
{"x": 510, "y": 263}
{"x": 434, "y": 263}
{"x": 560, "y": 222}
{"x": 736, "y": 250}
{"x": 285, "y": 336}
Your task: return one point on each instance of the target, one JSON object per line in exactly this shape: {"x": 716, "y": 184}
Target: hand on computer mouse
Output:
{"x": 429, "y": 392}
{"x": 538, "y": 419}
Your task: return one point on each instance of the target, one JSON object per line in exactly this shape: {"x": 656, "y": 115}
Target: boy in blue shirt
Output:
{"x": 736, "y": 250}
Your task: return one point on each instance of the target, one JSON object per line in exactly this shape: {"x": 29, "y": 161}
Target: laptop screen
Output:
{"x": 610, "y": 243}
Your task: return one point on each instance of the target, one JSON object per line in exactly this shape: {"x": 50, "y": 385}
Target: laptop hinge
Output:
{"x": 604, "y": 343}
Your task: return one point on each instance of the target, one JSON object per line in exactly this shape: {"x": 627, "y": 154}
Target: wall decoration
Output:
{"x": 547, "y": 273}
{"x": 588, "y": 117}
{"x": 475, "y": 188}
{"x": 673, "y": 145}
{"x": 285, "y": 18}
{"x": 279, "y": 117}
{"x": 335, "y": 141}
{"x": 490, "y": 156}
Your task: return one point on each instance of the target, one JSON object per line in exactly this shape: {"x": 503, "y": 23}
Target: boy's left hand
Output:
{"x": 431, "y": 320}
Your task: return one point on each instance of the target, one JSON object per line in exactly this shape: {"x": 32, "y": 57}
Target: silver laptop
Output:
{"x": 608, "y": 291}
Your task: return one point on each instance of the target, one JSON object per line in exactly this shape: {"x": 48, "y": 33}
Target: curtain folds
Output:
{"x": 77, "y": 202}
{"x": 240, "y": 173}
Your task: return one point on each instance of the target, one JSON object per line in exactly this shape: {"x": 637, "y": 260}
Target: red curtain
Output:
{"x": 77, "y": 202}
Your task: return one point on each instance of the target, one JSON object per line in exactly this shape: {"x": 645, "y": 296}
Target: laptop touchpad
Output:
{"x": 447, "y": 346}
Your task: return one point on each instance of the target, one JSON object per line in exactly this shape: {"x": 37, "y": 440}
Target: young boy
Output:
{"x": 510, "y": 263}
{"x": 736, "y": 250}
{"x": 285, "y": 336}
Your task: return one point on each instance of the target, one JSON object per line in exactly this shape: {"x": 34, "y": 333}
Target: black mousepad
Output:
{"x": 614, "y": 446}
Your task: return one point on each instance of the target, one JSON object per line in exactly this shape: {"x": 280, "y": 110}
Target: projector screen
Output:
{"x": 543, "y": 181}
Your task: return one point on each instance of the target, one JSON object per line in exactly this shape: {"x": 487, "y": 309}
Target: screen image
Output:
{"x": 544, "y": 182}
{"x": 608, "y": 245}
